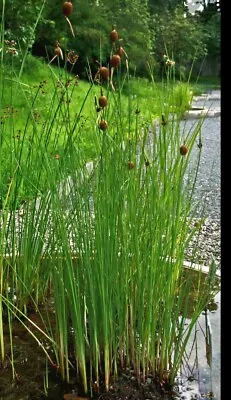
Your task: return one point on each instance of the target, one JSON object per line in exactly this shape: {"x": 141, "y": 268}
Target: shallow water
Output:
{"x": 202, "y": 365}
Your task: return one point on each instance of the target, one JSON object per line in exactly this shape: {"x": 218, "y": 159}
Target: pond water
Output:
{"x": 209, "y": 375}
{"x": 200, "y": 374}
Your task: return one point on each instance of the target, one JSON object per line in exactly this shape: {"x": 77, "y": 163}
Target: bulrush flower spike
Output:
{"x": 58, "y": 52}
{"x": 131, "y": 164}
{"x": 113, "y": 35}
{"x": 67, "y": 11}
{"x": 103, "y": 125}
{"x": 183, "y": 150}
{"x": 103, "y": 72}
{"x": 102, "y": 100}
{"x": 114, "y": 62}
{"x": 72, "y": 57}
{"x": 120, "y": 51}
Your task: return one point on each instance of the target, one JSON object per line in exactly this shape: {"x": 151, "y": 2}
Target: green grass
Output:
{"x": 39, "y": 106}
{"x": 40, "y": 88}
{"x": 37, "y": 73}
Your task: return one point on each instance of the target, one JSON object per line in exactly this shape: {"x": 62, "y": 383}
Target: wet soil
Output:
{"x": 32, "y": 371}
{"x": 126, "y": 387}
{"x": 29, "y": 376}
{"x": 32, "y": 387}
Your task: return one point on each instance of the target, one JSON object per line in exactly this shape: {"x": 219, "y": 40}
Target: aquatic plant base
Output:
{"x": 199, "y": 378}
{"x": 195, "y": 381}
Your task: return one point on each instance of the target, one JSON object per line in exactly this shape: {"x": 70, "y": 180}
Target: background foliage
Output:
{"x": 146, "y": 30}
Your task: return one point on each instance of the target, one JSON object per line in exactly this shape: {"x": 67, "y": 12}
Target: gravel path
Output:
{"x": 206, "y": 246}
{"x": 208, "y": 179}
{"x": 208, "y": 184}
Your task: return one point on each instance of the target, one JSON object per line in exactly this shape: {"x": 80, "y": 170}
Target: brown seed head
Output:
{"x": 183, "y": 150}
{"x": 58, "y": 52}
{"x": 114, "y": 35}
{"x": 102, "y": 101}
{"x": 115, "y": 60}
{"x": 103, "y": 125}
{"x": 131, "y": 164}
{"x": 104, "y": 72}
{"x": 120, "y": 51}
{"x": 72, "y": 57}
{"x": 67, "y": 8}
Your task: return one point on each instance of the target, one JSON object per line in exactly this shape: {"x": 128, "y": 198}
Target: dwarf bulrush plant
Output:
{"x": 96, "y": 249}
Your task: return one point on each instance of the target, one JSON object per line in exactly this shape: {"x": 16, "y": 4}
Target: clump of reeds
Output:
{"x": 98, "y": 250}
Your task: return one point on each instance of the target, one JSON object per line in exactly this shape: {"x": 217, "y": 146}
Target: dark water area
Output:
{"x": 201, "y": 369}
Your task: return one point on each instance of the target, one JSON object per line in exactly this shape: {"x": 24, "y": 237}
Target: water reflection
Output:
{"x": 201, "y": 368}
